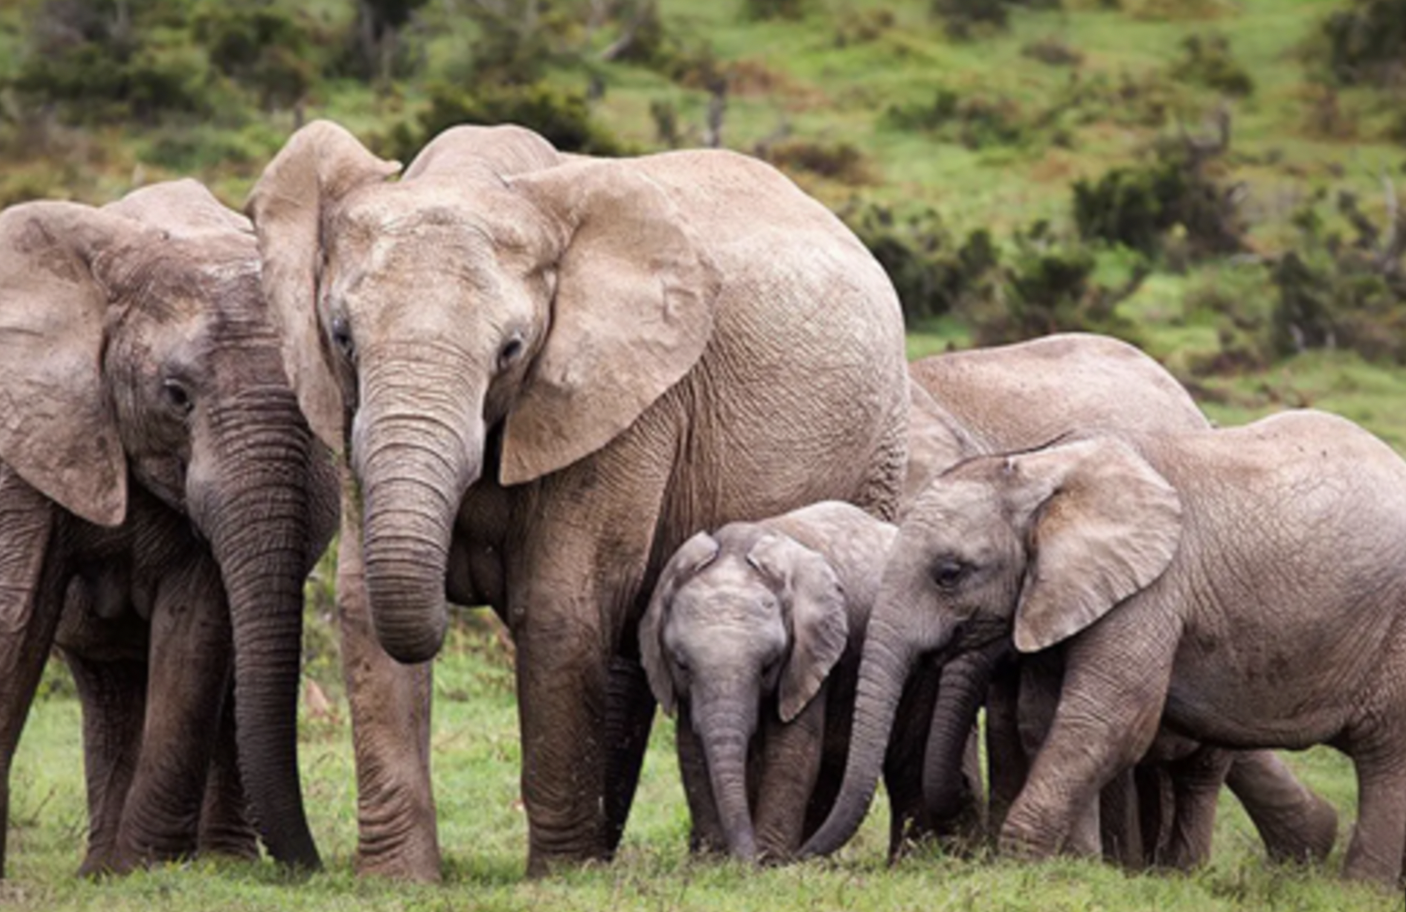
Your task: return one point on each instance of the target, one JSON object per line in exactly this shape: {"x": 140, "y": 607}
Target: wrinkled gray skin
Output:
{"x": 547, "y": 372}
{"x": 996, "y": 399}
{"x": 754, "y": 634}
{"x": 161, "y": 501}
{"x": 1245, "y": 587}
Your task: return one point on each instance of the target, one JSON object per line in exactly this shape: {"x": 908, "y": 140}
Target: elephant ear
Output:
{"x": 633, "y": 311}
{"x": 183, "y": 208}
{"x": 57, "y": 430}
{"x": 1106, "y": 524}
{"x": 692, "y": 556}
{"x": 316, "y": 169}
{"x": 819, "y": 621}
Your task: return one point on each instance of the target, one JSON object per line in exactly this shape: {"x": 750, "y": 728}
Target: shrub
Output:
{"x": 563, "y": 117}
{"x": 1335, "y": 293}
{"x": 976, "y": 121}
{"x": 964, "y": 19}
{"x": 259, "y": 46}
{"x": 840, "y": 161}
{"x": 1053, "y": 51}
{"x": 1365, "y": 43}
{"x": 930, "y": 271}
{"x": 1206, "y": 60}
{"x": 1138, "y": 205}
{"x": 775, "y": 9}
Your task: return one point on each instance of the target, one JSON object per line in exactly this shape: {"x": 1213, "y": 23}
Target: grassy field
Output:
{"x": 483, "y": 834}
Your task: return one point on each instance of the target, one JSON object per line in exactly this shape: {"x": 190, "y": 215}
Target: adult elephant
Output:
{"x": 1244, "y": 587}
{"x": 548, "y": 373}
{"x": 160, "y": 494}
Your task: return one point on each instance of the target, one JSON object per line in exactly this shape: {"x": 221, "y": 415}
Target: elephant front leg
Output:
{"x": 113, "y": 699}
{"x": 1110, "y": 705}
{"x": 189, "y": 673}
{"x": 562, "y": 685}
{"x": 1196, "y": 782}
{"x": 225, "y": 828}
{"x": 1379, "y": 840}
{"x": 629, "y": 717}
{"x": 390, "y": 710}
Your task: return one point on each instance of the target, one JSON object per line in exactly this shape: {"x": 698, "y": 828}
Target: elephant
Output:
{"x": 753, "y": 633}
{"x": 994, "y": 399}
{"x": 1243, "y": 587}
{"x": 544, "y": 373}
{"x": 162, "y": 499}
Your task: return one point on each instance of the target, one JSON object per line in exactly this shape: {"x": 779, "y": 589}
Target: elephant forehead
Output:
{"x": 726, "y": 594}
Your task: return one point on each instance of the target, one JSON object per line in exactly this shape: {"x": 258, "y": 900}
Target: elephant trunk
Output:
{"x": 726, "y": 728}
{"x": 415, "y": 455}
{"x": 889, "y": 656}
{"x": 258, "y": 526}
{"x": 946, "y": 792}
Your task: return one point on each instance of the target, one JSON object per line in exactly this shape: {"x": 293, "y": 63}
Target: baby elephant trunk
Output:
{"x": 726, "y": 727}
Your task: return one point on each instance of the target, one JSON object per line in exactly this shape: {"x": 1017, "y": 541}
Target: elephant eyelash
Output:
{"x": 512, "y": 350}
{"x": 342, "y": 337}
{"x": 177, "y": 396}
{"x": 949, "y": 572}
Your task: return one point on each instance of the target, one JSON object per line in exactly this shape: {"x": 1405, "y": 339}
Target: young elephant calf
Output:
{"x": 1246, "y": 587}
{"x": 754, "y": 633}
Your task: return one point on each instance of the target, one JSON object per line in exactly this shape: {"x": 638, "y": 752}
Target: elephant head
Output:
{"x": 468, "y": 320}
{"x": 1032, "y": 547}
{"x": 136, "y": 348}
{"x": 740, "y": 624}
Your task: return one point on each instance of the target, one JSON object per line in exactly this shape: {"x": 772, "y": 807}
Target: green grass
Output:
{"x": 483, "y": 833}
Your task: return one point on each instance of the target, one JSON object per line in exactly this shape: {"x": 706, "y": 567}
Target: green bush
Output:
{"x": 775, "y": 9}
{"x": 260, "y": 46}
{"x": 976, "y": 121}
{"x": 1365, "y": 43}
{"x": 1333, "y": 292}
{"x": 1206, "y": 60}
{"x": 1179, "y": 189}
{"x": 839, "y": 161}
{"x": 929, "y": 269}
{"x": 563, "y": 117}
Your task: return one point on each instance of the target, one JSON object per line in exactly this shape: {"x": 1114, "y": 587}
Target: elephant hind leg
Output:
{"x": 1294, "y": 823}
{"x": 629, "y": 714}
{"x": 1379, "y": 841}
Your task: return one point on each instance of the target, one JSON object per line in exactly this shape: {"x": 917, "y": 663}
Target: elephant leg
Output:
{"x": 706, "y": 834}
{"x": 1107, "y": 717}
{"x": 1156, "y": 810}
{"x": 1120, "y": 829}
{"x": 1376, "y": 850}
{"x": 30, "y": 605}
{"x": 1294, "y": 823}
{"x": 1196, "y": 782}
{"x": 788, "y": 773}
{"x": 390, "y": 713}
{"x": 1008, "y": 765}
{"x": 571, "y": 588}
{"x": 188, "y": 677}
{"x": 113, "y": 698}
{"x": 629, "y": 716}
{"x": 225, "y": 827}
{"x": 909, "y": 821}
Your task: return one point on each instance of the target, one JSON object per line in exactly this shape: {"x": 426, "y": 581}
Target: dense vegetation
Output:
{"x": 1213, "y": 179}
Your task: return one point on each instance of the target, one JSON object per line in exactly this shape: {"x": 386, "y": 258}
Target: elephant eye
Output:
{"x": 510, "y": 352}
{"x": 177, "y": 396}
{"x": 342, "y": 337}
{"x": 948, "y": 572}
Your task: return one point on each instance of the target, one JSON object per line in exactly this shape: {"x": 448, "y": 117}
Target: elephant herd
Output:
{"x": 656, "y": 413}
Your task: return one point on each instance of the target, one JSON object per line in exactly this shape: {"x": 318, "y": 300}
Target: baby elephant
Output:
{"x": 754, "y": 633}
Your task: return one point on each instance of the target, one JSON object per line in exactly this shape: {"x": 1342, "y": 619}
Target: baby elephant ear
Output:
{"x": 318, "y": 166}
{"x": 819, "y": 622}
{"x": 1106, "y": 525}
{"x": 692, "y": 556}
{"x": 57, "y": 430}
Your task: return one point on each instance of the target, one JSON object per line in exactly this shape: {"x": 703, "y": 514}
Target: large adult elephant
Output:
{"x": 160, "y": 493}
{"x": 547, "y": 373}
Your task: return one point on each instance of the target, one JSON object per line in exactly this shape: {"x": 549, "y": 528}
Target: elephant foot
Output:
{"x": 411, "y": 860}
{"x": 542, "y": 863}
{"x": 1310, "y": 841}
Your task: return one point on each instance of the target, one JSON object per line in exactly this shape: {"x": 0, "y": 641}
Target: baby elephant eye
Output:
{"x": 948, "y": 572}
